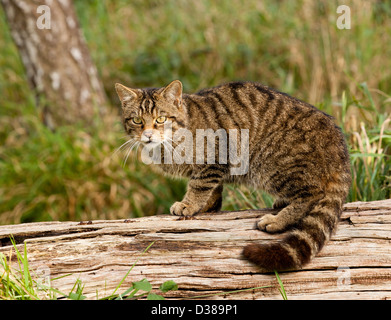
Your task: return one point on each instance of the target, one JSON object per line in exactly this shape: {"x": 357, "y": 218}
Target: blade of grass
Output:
{"x": 123, "y": 279}
{"x": 281, "y": 288}
{"x": 21, "y": 286}
{"x": 26, "y": 271}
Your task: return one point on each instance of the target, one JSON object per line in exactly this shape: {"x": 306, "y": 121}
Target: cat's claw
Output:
{"x": 270, "y": 223}
{"x": 183, "y": 209}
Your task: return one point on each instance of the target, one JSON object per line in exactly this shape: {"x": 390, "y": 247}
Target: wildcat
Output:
{"x": 296, "y": 153}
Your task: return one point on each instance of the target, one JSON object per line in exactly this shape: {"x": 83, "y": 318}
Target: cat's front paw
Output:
{"x": 183, "y": 209}
{"x": 271, "y": 223}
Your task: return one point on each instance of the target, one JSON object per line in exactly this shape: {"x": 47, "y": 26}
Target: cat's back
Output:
{"x": 253, "y": 106}
{"x": 250, "y": 97}
{"x": 278, "y": 123}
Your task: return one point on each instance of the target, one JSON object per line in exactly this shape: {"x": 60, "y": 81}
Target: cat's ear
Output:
{"x": 125, "y": 94}
{"x": 173, "y": 93}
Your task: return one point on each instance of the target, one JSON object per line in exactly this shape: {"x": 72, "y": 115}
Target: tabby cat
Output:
{"x": 296, "y": 153}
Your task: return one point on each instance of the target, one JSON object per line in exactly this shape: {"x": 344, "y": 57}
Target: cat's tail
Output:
{"x": 301, "y": 243}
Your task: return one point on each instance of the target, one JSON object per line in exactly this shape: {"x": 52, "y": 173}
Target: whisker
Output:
{"x": 126, "y": 156}
{"x": 167, "y": 138}
{"x": 172, "y": 142}
{"x": 123, "y": 145}
{"x": 168, "y": 145}
{"x": 129, "y": 151}
{"x": 138, "y": 145}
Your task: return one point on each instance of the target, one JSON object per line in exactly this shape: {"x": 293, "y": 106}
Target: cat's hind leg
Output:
{"x": 273, "y": 223}
{"x": 288, "y": 216}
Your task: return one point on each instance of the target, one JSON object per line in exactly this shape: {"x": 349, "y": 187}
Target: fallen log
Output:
{"x": 203, "y": 255}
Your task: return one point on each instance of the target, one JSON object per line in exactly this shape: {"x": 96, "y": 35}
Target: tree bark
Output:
{"x": 56, "y": 58}
{"x": 203, "y": 255}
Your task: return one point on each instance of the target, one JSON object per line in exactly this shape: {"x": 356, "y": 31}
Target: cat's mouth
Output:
{"x": 146, "y": 140}
{"x": 151, "y": 143}
{"x": 156, "y": 141}
{"x": 150, "y": 137}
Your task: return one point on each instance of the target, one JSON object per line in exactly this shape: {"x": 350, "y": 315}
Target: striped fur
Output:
{"x": 297, "y": 154}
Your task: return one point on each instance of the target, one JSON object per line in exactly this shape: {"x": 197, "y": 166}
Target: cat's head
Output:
{"x": 147, "y": 113}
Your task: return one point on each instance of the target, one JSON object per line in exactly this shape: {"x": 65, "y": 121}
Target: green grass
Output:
{"x": 72, "y": 174}
{"x": 281, "y": 288}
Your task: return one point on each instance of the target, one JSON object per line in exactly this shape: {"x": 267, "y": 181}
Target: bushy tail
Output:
{"x": 301, "y": 243}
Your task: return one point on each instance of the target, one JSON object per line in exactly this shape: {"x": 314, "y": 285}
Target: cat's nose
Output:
{"x": 148, "y": 133}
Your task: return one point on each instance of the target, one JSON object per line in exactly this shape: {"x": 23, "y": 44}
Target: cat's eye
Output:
{"x": 137, "y": 120}
{"x": 161, "y": 119}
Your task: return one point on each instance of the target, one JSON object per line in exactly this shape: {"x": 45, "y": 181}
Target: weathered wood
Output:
{"x": 203, "y": 255}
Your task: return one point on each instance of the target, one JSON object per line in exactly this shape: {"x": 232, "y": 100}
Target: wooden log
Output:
{"x": 203, "y": 255}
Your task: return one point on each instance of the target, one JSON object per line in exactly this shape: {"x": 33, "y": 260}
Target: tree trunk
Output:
{"x": 203, "y": 255}
{"x": 57, "y": 61}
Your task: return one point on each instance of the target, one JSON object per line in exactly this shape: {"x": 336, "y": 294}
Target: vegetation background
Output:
{"x": 293, "y": 46}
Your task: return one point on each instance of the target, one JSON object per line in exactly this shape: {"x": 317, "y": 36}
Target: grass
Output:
{"x": 75, "y": 177}
{"x": 281, "y": 288}
{"x": 72, "y": 174}
{"x": 371, "y": 156}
